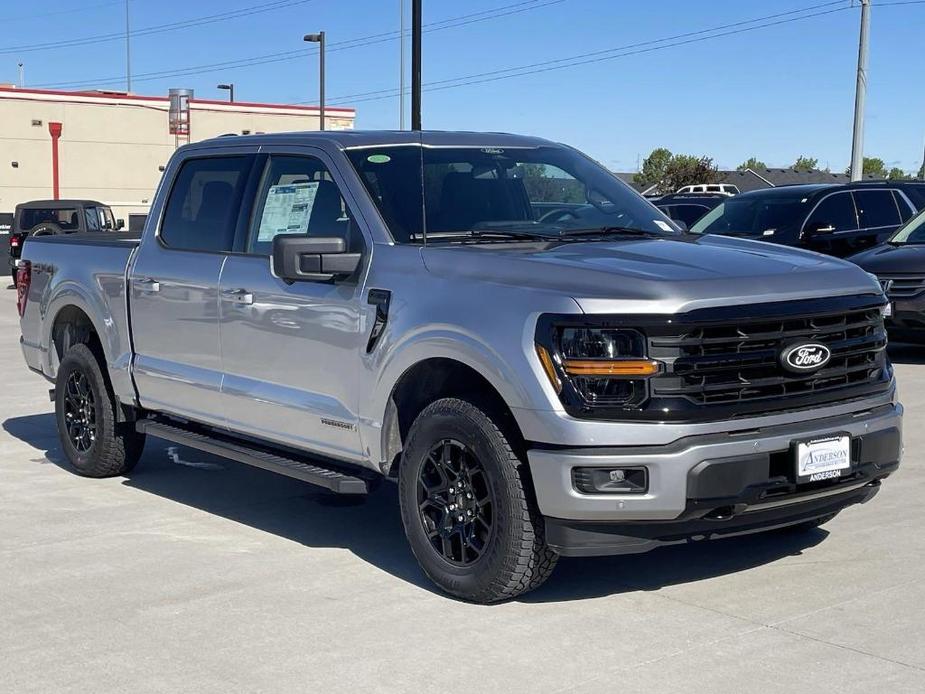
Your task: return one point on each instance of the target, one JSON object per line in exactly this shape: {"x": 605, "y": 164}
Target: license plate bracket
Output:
{"x": 822, "y": 457}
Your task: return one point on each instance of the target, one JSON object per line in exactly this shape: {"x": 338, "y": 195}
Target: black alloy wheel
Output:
{"x": 80, "y": 412}
{"x": 456, "y": 503}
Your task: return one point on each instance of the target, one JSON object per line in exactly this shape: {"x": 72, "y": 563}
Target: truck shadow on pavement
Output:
{"x": 371, "y": 529}
{"x": 906, "y": 353}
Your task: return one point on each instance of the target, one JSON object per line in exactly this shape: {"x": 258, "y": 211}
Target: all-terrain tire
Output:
{"x": 516, "y": 558}
{"x": 114, "y": 447}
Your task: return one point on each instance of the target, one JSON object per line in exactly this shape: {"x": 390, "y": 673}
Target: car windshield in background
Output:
{"x": 913, "y": 232}
{"x": 752, "y": 215}
{"x": 516, "y": 192}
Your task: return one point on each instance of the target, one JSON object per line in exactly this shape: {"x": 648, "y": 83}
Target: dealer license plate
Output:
{"x": 822, "y": 459}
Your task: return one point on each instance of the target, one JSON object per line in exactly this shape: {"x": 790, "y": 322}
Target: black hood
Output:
{"x": 901, "y": 258}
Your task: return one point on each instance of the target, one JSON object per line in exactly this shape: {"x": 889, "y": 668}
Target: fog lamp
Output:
{"x": 602, "y": 480}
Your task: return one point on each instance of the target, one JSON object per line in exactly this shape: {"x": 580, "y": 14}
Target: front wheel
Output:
{"x": 467, "y": 507}
{"x": 95, "y": 443}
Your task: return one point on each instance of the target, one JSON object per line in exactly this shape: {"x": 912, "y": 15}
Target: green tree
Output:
{"x": 752, "y": 163}
{"x": 873, "y": 166}
{"x": 897, "y": 174}
{"x": 805, "y": 163}
{"x": 654, "y": 167}
{"x": 685, "y": 169}
{"x": 922, "y": 171}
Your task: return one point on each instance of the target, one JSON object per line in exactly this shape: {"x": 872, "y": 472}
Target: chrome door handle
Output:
{"x": 238, "y": 296}
{"x": 146, "y": 284}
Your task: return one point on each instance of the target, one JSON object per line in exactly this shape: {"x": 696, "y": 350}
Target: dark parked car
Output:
{"x": 837, "y": 219}
{"x": 42, "y": 217}
{"x": 689, "y": 207}
{"x": 913, "y": 189}
{"x": 899, "y": 264}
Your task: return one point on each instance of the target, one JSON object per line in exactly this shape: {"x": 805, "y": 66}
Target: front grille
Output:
{"x": 714, "y": 362}
{"x": 902, "y": 286}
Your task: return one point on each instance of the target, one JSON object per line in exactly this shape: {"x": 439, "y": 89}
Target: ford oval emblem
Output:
{"x": 806, "y": 356}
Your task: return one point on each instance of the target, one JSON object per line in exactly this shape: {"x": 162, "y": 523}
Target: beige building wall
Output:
{"x": 112, "y": 147}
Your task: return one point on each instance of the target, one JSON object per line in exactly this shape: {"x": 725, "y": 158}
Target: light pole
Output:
{"x": 416, "y": 64}
{"x": 128, "y": 51}
{"x": 857, "y": 140}
{"x": 22, "y": 81}
{"x": 230, "y": 89}
{"x": 319, "y": 39}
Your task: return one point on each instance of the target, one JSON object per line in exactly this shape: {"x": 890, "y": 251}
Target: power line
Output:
{"x": 347, "y": 44}
{"x": 603, "y": 55}
{"x": 54, "y": 13}
{"x": 159, "y": 28}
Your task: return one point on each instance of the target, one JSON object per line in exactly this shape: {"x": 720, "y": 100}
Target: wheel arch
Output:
{"x": 431, "y": 379}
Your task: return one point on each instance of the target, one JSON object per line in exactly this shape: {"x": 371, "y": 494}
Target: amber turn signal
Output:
{"x": 611, "y": 367}
{"x": 549, "y": 368}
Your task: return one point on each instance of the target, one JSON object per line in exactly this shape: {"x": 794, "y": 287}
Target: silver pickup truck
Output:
{"x": 543, "y": 362}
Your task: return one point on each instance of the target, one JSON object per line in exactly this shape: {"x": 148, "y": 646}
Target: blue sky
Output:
{"x": 774, "y": 92}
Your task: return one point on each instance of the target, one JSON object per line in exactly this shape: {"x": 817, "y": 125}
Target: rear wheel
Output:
{"x": 467, "y": 507}
{"x": 94, "y": 442}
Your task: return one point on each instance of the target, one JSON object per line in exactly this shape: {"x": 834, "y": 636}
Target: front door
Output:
{"x": 291, "y": 352}
{"x": 174, "y": 289}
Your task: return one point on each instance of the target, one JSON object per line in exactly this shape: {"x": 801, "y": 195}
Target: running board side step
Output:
{"x": 240, "y": 451}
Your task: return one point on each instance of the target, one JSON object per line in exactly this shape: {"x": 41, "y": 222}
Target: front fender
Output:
{"x": 516, "y": 379}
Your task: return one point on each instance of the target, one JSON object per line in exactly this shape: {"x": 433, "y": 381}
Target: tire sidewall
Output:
{"x": 484, "y": 444}
{"x": 79, "y": 358}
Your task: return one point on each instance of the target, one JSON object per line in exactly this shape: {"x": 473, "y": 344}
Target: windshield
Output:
{"x": 752, "y": 215}
{"x": 913, "y": 232}
{"x": 519, "y": 192}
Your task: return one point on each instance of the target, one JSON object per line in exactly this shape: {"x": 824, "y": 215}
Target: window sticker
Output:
{"x": 287, "y": 210}
{"x": 664, "y": 226}
{"x": 378, "y": 158}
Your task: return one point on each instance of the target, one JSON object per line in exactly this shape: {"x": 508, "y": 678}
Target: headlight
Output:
{"x": 595, "y": 367}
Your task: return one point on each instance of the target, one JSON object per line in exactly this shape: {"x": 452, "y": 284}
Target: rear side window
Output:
{"x": 905, "y": 212}
{"x": 66, "y": 219}
{"x": 93, "y": 219}
{"x": 876, "y": 208}
{"x": 202, "y": 209}
{"x": 836, "y": 211}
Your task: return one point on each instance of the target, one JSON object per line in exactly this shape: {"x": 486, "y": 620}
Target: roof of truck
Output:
{"x": 373, "y": 138}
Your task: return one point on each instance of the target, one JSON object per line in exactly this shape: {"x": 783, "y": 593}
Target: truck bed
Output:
{"x": 85, "y": 271}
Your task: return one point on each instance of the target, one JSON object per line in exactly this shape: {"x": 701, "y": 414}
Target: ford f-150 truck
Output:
{"x": 543, "y": 362}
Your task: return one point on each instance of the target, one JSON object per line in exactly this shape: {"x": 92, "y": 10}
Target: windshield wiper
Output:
{"x": 614, "y": 231}
{"x": 486, "y": 234}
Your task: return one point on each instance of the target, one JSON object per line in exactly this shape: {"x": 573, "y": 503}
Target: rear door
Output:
{"x": 291, "y": 351}
{"x": 878, "y": 217}
{"x": 174, "y": 287}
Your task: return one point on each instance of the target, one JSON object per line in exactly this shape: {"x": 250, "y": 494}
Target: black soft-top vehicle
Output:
{"x": 41, "y": 217}
{"x": 837, "y": 219}
{"x": 899, "y": 264}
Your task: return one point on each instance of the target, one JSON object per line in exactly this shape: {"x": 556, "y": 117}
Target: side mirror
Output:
{"x": 120, "y": 224}
{"x": 303, "y": 258}
{"x": 819, "y": 228}
{"x": 681, "y": 224}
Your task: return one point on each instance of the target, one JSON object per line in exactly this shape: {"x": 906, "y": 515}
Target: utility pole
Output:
{"x": 416, "y": 64}
{"x": 319, "y": 39}
{"x": 128, "y": 51}
{"x": 401, "y": 69}
{"x": 22, "y": 72}
{"x": 857, "y": 142}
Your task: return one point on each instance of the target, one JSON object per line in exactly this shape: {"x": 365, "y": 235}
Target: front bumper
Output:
{"x": 696, "y": 476}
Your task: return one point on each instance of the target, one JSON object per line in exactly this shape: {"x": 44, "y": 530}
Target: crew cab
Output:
{"x": 350, "y": 307}
{"x": 836, "y": 219}
{"x": 42, "y": 217}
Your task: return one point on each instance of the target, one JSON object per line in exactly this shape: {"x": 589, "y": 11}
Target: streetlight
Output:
{"x": 230, "y": 88}
{"x": 319, "y": 39}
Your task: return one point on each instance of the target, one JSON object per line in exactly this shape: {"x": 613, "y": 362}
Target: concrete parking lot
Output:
{"x": 195, "y": 574}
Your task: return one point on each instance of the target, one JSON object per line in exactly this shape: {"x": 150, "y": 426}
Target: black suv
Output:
{"x": 838, "y": 219}
{"x": 57, "y": 217}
